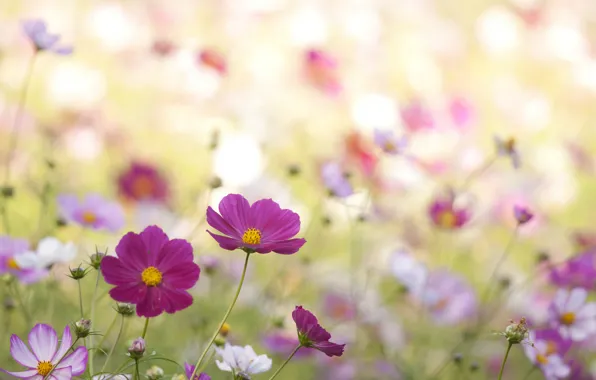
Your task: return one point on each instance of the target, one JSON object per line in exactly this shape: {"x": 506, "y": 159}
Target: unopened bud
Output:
{"x": 82, "y": 328}
{"x": 278, "y": 322}
{"x": 219, "y": 341}
{"x": 125, "y": 309}
{"x": 522, "y": 214}
{"x": 516, "y": 332}
{"x": 77, "y": 273}
{"x": 458, "y": 358}
{"x": 225, "y": 330}
{"x": 95, "y": 259}
{"x": 9, "y": 304}
{"x": 137, "y": 348}
{"x": 215, "y": 182}
{"x": 7, "y": 191}
{"x": 61, "y": 222}
{"x": 154, "y": 373}
{"x": 293, "y": 170}
{"x": 209, "y": 264}
{"x": 474, "y": 367}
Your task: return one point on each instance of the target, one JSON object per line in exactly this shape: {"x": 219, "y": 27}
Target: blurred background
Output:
{"x": 262, "y": 98}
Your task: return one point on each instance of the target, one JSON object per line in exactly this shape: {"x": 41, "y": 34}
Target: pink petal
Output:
{"x": 132, "y": 251}
{"x": 235, "y": 209}
{"x": 330, "y": 349}
{"x": 174, "y": 252}
{"x": 286, "y": 247}
{"x": 116, "y": 273}
{"x": 77, "y": 361}
{"x": 23, "y": 374}
{"x": 182, "y": 276}
{"x": 226, "y": 242}
{"x": 273, "y": 222}
{"x": 304, "y": 319}
{"x": 64, "y": 345}
{"x": 62, "y": 374}
{"x": 174, "y": 300}
{"x": 21, "y": 353}
{"x": 150, "y": 305}
{"x": 216, "y": 221}
{"x": 154, "y": 239}
{"x": 133, "y": 293}
{"x": 43, "y": 341}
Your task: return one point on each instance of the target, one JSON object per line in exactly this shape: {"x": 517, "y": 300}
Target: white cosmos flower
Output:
{"x": 409, "y": 272}
{"x": 574, "y": 318}
{"x": 49, "y": 251}
{"x": 112, "y": 377}
{"x": 242, "y": 360}
{"x": 540, "y": 354}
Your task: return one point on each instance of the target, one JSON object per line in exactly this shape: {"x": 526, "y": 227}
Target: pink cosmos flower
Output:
{"x": 578, "y": 271}
{"x": 321, "y": 70}
{"x": 549, "y": 361}
{"x": 189, "y": 369}
{"x": 93, "y": 211}
{"x": 143, "y": 182}
{"x": 10, "y": 249}
{"x": 417, "y": 117}
{"x": 446, "y": 215}
{"x": 214, "y": 60}
{"x": 312, "y": 335}
{"x": 152, "y": 272}
{"x": 574, "y": 318}
{"x": 281, "y": 343}
{"x": 263, "y": 227}
{"x": 389, "y": 142}
{"x": 522, "y": 214}
{"x": 46, "y": 356}
{"x": 461, "y": 112}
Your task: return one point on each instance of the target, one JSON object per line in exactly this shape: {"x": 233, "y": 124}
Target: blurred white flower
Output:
{"x": 49, "y": 251}
{"x": 242, "y": 360}
{"x": 112, "y": 377}
{"x": 409, "y": 272}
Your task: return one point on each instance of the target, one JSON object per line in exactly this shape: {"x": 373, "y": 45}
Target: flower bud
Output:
{"x": 209, "y": 264}
{"x": 215, "y": 182}
{"x": 125, "y": 309}
{"x": 293, "y": 170}
{"x": 516, "y": 332}
{"x": 137, "y": 348}
{"x": 458, "y": 357}
{"x": 60, "y": 222}
{"x": 219, "y": 341}
{"x": 9, "y": 304}
{"x": 95, "y": 259}
{"x": 77, "y": 273}
{"x": 474, "y": 367}
{"x": 154, "y": 373}
{"x": 225, "y": 330}
{"x": 7, "y": 191}
{"x": 178, "y": 377}
{"x": 82, "y": 328}
{"x": 522, "y": 214}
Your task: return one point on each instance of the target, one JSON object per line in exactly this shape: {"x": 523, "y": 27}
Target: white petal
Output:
{"x": 577, "y": 297}
{"x": 560, "y": 300}
{"x": 223, "y": 366}
{"x": 47, "y": 247}
{"x": 64, "y": 345}
{"x": 588, "y": 311}
{"x": 28, "y": 260}
{"x": 261, "y": 364}
{"x": 577, "y": 333}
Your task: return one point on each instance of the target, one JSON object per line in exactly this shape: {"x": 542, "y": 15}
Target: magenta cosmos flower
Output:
{"x": 446, "y": 215}
{"x": 417, "y": 117}
{"x": 93, "y": 211}
{"x": 36, "y": 31}
{"x": 262, "y": 227}
{"x": 189, "y": 369}
{"x": 312, "y": 335}
{"x": 151, "y": 272}
{"x": 143, "y": 182}
{"x": 46, "y": 356}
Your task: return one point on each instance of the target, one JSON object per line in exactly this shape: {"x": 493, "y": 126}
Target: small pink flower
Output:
{"x": 446, "y": 215}
{"x": 143, "y": 182}
{"x": 214, "y": 60}
{"x": 93, "y": 211}
{"x": 321, "y": 70}
{"x": 46, "y": 356}
{"x": 312, "y": 335}
{"x": 417, "y": 117}
{"x": 152, "y": 272}
{"x": 522, "y": 214}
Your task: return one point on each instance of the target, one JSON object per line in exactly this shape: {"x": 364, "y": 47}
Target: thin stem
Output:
{"x": 137, "y": 375}
{"x": 145, "y": 328}
{"x": 80, "y": 299}
{"x": 477, "y": 173}
{"x": 93, "y": 299}
{"x": 103, "y": 338}
{"x": 62, "y": 358}
{"x": 225, "y": 318}
{"x": 504, "y": 360}
{"x": 21, "y": 302}
{"x": 530, "y": 372}
{"x": 115, "y": 343}
{"x": 286, "y": 362}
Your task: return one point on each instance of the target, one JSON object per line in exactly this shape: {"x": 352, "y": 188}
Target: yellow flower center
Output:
{"x": 447, "y": 219}
{"x": 542, "y": 359}
{"x": 225, "y": 329}
{"x": 251, "y": 236}
{"x": 89, "y": 217}
{"x": 551, "y": 347}
{"x": 390, "y": 146}
{"x": 151, "y": 276}
{"x": 43, "y": 368}
{"x": 567, "y": 319}
{"x": 12, "y": 264}
{"x": 142, "y": 187}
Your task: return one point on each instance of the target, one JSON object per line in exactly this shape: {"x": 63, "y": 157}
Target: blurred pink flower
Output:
{"x": 417, "y": 117}
{"x": 321, "y": 71}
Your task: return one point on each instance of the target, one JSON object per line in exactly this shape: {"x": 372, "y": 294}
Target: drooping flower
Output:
{"x": 93, "y": 211}
{"x": 416, "y": 117}
{"x": 50, "y": 251}
{"x": 36, "y": 31}
{"x": 143, "y": 182}
{"x": 550, "y": 362}
{"x": 214, "y": 60}
{"x": 410, "y": 272}
{"x": 262, "y": 227}
{"x": 577, "y": 272}
{"x": 334, "y": 178}
{"x": 312, "y": 335}
{"x": 10, "y": 250}
{"x": 446, "y": 215}
{"x": 389, "y": 142}
{"x": 243, "y": 361}
{"x": 508, "y": 148}
{"x": 572, "y": 315}
{"x": 152, "y": 272}
{"x": 321, "y": 70}
{"x": 189, "y": 369}
{"x": 45, "y": 356}
{"x": 448, "y": 297}
{"x": 522, "y": 214}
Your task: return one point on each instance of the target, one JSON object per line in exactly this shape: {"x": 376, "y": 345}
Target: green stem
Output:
{"x": 225, "y": 318}
{"x": 504, "y": 360}
{"x": 81, "y": 299}
{"x": 110, "y": 327}
{"x": 21, "y": 302}
{"x": 286, "y": 362}
{"x": 145, "y": 328}
{"x": 62, "y": 358}
{"x": 115, "y": 343}
{"x": 137, "y": 375}
{"x": 91, "y": 353}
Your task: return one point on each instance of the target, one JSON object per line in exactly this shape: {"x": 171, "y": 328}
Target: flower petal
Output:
{"x": 22, "y": 374}
{"x": 223, "y": 366}
{"x": 273, "y": 222}
{"x": 226, "y": 242}
{"x": 259, "y": 365}
{"x": 43, "y": 341}
{"x": 182, "y": 276}
{"x": 20, "y": 352}
{"x": 132, "y": 293}
{"x": 64, "y": 373}
{"x": 174, "y": 252}
{"x": 174, "y": 300}
{"x": 329, "y": 348}
{"x": 304, "y": 319}
{"x": 77, "y": 361}
{"x": 68, "y": 205}
{"x": 151, "y": 304}
{"x": 132, "y": 251}
{"x": 286, "y": 247}
{"x": 576, "y": 299}
{"x": 154, "y": 239}
{"x": 116, "y": 273}
{"x": 64, "y": 345}
{"x": 220, "y": 224}
{"x": 235, "y": 209}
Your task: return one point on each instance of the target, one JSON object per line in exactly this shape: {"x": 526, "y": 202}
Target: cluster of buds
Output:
{"x": 516, "y": 333}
